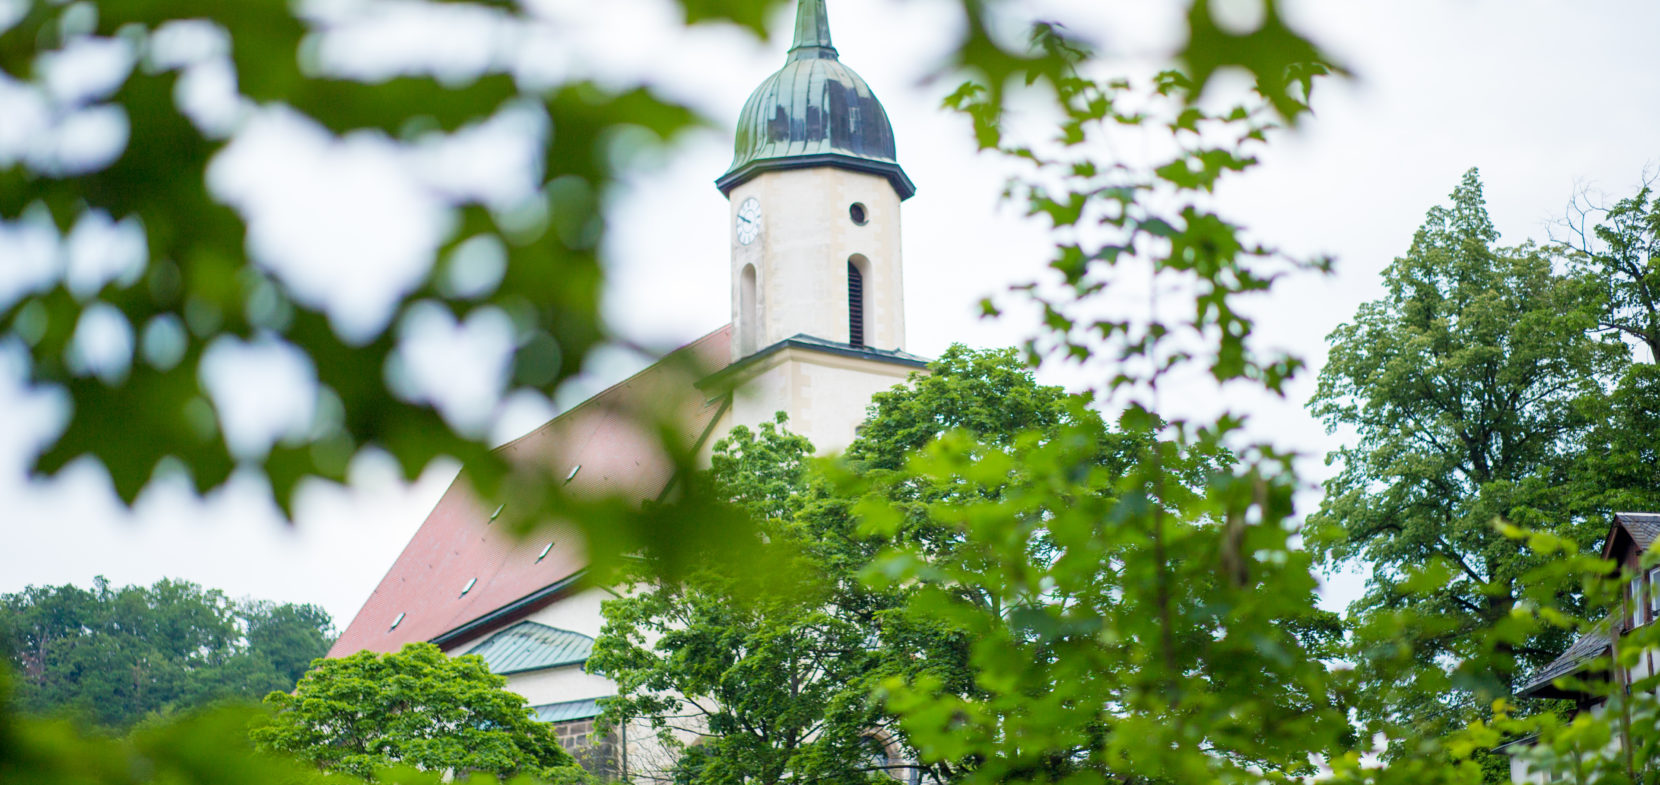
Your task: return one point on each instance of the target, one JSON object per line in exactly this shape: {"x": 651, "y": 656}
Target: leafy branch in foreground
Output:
{"x": 1133, "y": 625}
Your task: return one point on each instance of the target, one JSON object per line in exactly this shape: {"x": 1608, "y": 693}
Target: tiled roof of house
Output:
{"x": 459, "y": 574}
{"x": 1644, "y": 527}
{"x": 1587, "y": 648}
{"x": 529, "y": 646}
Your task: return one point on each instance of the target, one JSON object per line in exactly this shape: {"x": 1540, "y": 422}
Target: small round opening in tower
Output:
{"x": 857, "y": 213}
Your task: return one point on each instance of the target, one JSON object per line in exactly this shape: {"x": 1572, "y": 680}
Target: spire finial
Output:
{"x": 812, "y": 31}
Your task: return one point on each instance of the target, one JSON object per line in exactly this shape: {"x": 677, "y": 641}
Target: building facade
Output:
{"x": 818, "y": 326}
{"x": 1590, "y": 657}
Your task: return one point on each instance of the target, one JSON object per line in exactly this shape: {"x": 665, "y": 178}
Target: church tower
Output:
{"x": 815, "y": 186}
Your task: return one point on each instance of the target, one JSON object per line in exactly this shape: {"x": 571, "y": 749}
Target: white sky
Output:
{"x": 1542, "y": 96}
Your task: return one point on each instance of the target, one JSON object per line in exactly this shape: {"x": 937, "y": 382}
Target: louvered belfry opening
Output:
{"x": 855, "y": 305}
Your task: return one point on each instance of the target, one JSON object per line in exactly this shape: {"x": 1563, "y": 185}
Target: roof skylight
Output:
{"x": 468, "y": 587}
{"x": 544, "y": 553}
{"x": 396, "y": 622}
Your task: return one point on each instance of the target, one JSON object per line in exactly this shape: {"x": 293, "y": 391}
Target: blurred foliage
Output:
{"x": 1473, "y": 384}
{"x": 1149, "y": 621}
{"x": 112, "y": 657}
{"x": 416, "y": 707}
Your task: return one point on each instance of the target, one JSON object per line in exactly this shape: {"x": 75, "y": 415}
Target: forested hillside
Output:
{"x": 113, "y": 656}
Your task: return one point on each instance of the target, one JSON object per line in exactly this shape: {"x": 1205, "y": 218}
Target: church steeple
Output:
{"x": 812, "y": 31}
{"x": 815, "y": 111}
{"x": 814, "y": 192}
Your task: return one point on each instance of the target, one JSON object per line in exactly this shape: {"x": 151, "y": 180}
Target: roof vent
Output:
{"x": 468, "y": 587}
{"x": 395, "y": 623}
{"x": 497, "y": 513}
{"x": 544, "y": 553}
{"x": 574, "y": 470}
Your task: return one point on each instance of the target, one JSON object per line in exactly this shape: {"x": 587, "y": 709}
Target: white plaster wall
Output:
{"x": 1521, "y": 774}
{"x": 801, "y": 256}
{"x": 577, "y": 613}
{"x": 824, "y": 394}
{"x": 557, "y": 685}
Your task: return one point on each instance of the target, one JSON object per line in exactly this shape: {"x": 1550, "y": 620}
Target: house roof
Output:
{"x": 567, "y": 710}
{"x": 1587, "y": 648}
{"x": 529, "y": 646}
{"x": 459, "y": 576}
{"x": 1644, "y": 527}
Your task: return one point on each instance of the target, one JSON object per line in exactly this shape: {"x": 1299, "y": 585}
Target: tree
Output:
{"x": 415, "y": 707}
{"x": 288, "y": 636}
{"x": 114, "y": 656}
{"x": 1471, "y": 386}
{"x": 761, "y": 666}
{"x": 1618, "y": 261}
{"x": 774, "y": 669}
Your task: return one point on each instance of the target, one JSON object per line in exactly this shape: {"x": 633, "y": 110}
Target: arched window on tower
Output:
{"x": 749, "y": 315}
{"x": 857, "y": 323}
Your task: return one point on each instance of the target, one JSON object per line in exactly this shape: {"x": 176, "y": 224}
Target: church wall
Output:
{"x": 557, "y": 685}
{"x": 825, "y": 394}
{"x": 801, "y": 255}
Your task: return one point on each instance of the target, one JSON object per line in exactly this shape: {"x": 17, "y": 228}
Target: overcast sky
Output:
{"x": 1544, "y": 97}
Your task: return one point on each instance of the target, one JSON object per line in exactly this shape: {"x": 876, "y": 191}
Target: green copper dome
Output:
{"x": 814, "y": 112}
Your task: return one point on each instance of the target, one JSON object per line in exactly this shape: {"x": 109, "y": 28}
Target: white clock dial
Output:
{"x": 749, "y": 221}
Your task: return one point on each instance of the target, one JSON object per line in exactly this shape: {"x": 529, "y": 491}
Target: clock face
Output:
{"x": 749, "y": 221}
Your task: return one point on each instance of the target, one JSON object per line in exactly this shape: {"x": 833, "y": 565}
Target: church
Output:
{"x": 818, "y": 326}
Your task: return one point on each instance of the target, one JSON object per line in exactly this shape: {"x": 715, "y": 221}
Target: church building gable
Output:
{"x": 460, "y": 576}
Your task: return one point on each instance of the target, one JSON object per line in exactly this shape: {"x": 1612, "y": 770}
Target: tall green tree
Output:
{"x": 1470, "y": 388}
{"x": 415, "y": 707}
{"x": 1618, "y": 260}
{"x": 114, "y": 656}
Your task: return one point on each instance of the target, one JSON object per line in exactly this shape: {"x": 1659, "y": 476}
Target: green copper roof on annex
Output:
{"x": 814, "y": 112}
{"x": 529, "y": 646}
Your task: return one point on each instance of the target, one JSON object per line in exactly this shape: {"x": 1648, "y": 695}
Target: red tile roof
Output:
{"x": 456, "y": 544}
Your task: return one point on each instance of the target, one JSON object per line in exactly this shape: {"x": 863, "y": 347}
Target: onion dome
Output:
{"x": 814, "y": 112}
